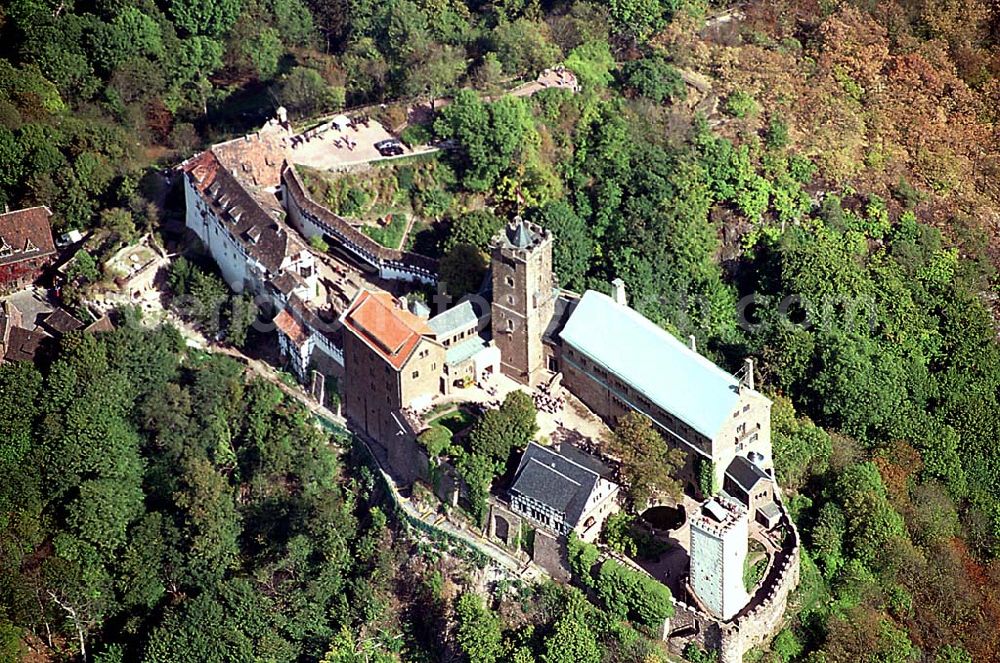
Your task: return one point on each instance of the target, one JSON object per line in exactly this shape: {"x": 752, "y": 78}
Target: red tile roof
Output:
{"x": 25, "y": 234}
{"x": 378, "y": 320}
{"x": 291, "y": 328}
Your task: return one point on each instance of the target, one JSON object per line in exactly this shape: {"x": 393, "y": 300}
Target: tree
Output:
{"x": 582, "y": 557}
{"x": 303, "y": 90}
{"x": 477, "y": 228}
{"x": 617, "y": 533}
{"x": 523, "y": 47}
{"x": 478, "y": 632}
{"x": 647, "y": 464}
{"x": 572, "y": 246}
{"x": 242, "y": 314}
{"x": 435, "y": 72}
{"x": 462, "y": 270}
{"x": 510, "y": 427}
{"x": 632, "y": 594}
{"x": 572, "y": 640}
{"x": 654, "y": 78}
{"x": 205, "y": 17}
{"x": 592, "y": 63}
{"x": 639, "y": 19}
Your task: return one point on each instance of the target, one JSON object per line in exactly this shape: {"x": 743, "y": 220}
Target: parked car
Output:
{"x": 389, "y": 147}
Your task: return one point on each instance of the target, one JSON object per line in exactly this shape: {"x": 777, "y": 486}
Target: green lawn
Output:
{"x": 389, "y": 236}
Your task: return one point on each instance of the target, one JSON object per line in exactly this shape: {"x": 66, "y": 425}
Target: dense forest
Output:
{"x": 813, "y": 184}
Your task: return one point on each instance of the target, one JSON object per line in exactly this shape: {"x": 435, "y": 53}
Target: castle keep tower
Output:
{"x": 523, "y": 298}
{"x": 719, "y": 534}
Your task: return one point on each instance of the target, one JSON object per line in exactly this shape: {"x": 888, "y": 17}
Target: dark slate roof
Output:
{"x": 518, "y": 235}
{"x": 745, "y": 473}
{"x": 60, "y": 321}
{"x": 25, "y": 234}
{"x": 554, "y": 480}
{"x": 23, "y": 345}
{"x": 587, "y": 460}
{"x": 564, "y": 306}
{"x": 264, "y": 237}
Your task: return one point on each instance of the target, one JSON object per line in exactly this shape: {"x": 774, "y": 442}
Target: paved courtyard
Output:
{"x": 32, "y": 304}
{"x": 326, "y": 147}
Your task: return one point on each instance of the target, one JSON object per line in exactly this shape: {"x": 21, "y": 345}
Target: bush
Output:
{"x": 435, "y": 440}
{"x": 655, "y": 79}
{"x": 740, "y": 104}
{"x": 416, "y": 134}
{"x": 633, "y": 595}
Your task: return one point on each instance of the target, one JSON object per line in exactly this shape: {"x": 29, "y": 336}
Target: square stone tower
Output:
{"x": 523, "y": 298}
{"x": 719, "y": 535}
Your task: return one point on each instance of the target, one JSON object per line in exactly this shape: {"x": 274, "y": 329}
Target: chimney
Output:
{"x": 618, "y": 292}
{"x": 748, "y": 373}
{"x": 693, "y": 343}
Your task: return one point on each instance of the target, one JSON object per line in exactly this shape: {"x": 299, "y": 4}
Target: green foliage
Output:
{"x": 476, "y": 228}
{"x": 708, "y": 482}
{"x": 497, "y": 139}
{"x": 639, "y": 19}
{"x": 210, "y": 17}
{"x": 740, "y": 104}
{"x": 654, "y": 78}
{"x": 695, "y": 654}
{"x": 462, "y": 270}
{"x": 582, "y": 557}
{"x": 617, "y": 533}
{"x": 648, "y": 465}
{"x": 506, "y": 429}
{"x": 572, "y": 245}
{"x": 631, "y": 594}
{"x": 523, "y": 47}
{"x": 436, "y": 440}
{"x": 304, "y": 91}
{"x": 478, "y": 633}
{"x": 592, "y": 63}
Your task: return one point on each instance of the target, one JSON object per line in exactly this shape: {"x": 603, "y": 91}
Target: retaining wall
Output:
{"x": 311, "y": 219}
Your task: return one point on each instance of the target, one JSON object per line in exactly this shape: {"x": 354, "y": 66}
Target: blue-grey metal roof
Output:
{"x": 657, "y": 365}
{"x": 460, "y": 316}
{"x": 459, "y": 352}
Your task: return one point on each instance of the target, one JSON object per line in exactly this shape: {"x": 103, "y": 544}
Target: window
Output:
{"x": 434, "y": 367}
{"x": 746, "y": 408}
{"x": 510, "y": 325}
{"x": 510, "y": 299}
{"x": 510, "y": 281}
{"x": 416, "y": 374}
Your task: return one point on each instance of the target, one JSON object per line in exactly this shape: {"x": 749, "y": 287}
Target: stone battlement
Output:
{"x": 756, "y": 623}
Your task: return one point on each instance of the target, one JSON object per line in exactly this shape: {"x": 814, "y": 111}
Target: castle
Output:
{"x": 333, "y": 315}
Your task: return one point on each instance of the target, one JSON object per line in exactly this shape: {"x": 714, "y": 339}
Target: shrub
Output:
{"x": 416, "y": 134}
{"x": 740, "y": 104}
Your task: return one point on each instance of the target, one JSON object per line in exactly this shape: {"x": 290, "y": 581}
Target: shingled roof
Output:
{"x": 378, "y": 320}
{"x": 25, "y": 234}
{"x": 264, "y": 237}
{"x": 554, "y": 480}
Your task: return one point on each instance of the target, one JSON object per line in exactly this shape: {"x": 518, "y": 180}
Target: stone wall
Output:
{"x": 755, "y": 624}
{"x": 311, "y": 218}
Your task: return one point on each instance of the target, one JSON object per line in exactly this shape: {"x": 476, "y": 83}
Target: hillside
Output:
{"x": 813, "y": 184}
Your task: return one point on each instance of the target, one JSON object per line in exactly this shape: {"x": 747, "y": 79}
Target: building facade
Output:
{"x": 562, "y": 492}
{"x": 391, "y": 362}
{"x": 523, "y": 299}
{"x": 615, "y": 360}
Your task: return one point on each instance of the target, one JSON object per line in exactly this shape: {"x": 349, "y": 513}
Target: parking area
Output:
{"x": 331, "y": 146}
